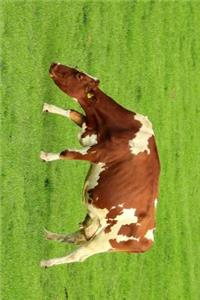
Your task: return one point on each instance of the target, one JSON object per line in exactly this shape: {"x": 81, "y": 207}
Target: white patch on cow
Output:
{"x": 56, "y": 110}
{"x": 92, "y": 228}
{"x": 124, "y": 238}
{"x": 149, "y": 234}
{"x": 81, "y": 151}
{"x": 127, "y": 216}
{"x": 140, "y": 142}
{"x": 83, "y": 128}
{"x": 98, "y": 212}
{"x": 88, "y": 140}
{"x": 68, "y": 113}
{"x": 49, "y": 156}
{"x": 113, "y": 207}
{"x": 155, "y": 203}
{"x": 94, "y": 175}
{"x": 75, "y": 99}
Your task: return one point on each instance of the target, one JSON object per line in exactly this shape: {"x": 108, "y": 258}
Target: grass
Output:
{"x": 146, "y": 54}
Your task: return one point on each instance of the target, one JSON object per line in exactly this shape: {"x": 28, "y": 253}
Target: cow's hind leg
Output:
{"x": 77, "y": 237}
{"x": 87, "y": 229}
{"x": 73, "y": 115}
{"x": 98, "y": 244}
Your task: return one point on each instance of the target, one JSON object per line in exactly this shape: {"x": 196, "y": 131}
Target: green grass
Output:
{"x": 147, "y": 56}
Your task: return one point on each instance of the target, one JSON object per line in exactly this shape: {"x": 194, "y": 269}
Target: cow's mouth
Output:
{"x": 53, "y": 68}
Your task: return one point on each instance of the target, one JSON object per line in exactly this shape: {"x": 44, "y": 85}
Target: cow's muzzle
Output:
{"x": 53, "y": 68}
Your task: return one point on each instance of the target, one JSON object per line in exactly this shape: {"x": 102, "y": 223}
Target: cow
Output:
{"x": 121, "y": 187}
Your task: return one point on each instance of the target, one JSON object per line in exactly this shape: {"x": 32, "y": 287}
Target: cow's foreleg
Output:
{"x": 73, "y": 115}
{"x": 82, "y": 154}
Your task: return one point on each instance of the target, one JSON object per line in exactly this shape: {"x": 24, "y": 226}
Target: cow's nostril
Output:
{"x": 52, "y": 67}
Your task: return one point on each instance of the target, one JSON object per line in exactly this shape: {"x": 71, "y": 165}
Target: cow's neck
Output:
{"x": 105, "y": 111}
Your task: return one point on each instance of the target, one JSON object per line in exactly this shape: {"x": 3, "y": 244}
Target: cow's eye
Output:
{"x": 79, "y": 76}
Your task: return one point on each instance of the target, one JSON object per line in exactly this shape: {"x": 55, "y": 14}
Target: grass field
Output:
{"x": 147, "y": 56}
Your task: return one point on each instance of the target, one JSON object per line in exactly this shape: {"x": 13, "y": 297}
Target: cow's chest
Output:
{"x": 87, "y": 137}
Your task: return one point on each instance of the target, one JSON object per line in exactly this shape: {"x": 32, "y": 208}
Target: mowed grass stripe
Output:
{"x": 189, "y": 77}
{"x": 23, "y": 186}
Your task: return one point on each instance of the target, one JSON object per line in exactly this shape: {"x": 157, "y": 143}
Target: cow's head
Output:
{"x": 73, "y": 82}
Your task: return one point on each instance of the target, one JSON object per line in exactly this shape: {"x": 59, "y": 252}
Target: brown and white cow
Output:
{"x": 121, "y": 188}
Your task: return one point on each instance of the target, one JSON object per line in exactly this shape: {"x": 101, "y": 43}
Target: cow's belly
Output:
{"x": 106, "y": 188}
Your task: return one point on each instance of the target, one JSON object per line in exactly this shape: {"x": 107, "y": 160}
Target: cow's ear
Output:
{"x": 92, "y": 85}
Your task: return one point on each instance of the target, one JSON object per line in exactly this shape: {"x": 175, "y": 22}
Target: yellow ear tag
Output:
{"x": 90, "y": 95}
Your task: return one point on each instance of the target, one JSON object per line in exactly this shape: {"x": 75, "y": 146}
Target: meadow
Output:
{"x": 147, "y": 57}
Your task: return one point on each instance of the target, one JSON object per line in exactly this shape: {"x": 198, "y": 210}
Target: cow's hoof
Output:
{"x": 44, "y": 156}
{"x": 48, "y": 235}
{"x": 46, "y": 107}
{"x": 44, "y": 264}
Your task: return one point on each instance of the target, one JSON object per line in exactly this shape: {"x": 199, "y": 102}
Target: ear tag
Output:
{"x": 90, "y": 95}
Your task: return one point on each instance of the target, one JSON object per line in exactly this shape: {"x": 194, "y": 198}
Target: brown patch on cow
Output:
{"x": 110, "y": 223}
{"x": 132, "y": 246}
{"x": 64, "y": 153}
{"x": 125, "y": 246}
{"x": 129, "y": 230}
{"x": 111, "y": 215}
{"x": 146, "y": 244}
{"x": 141, "y": 215}
{"x": 116, "y": 211}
